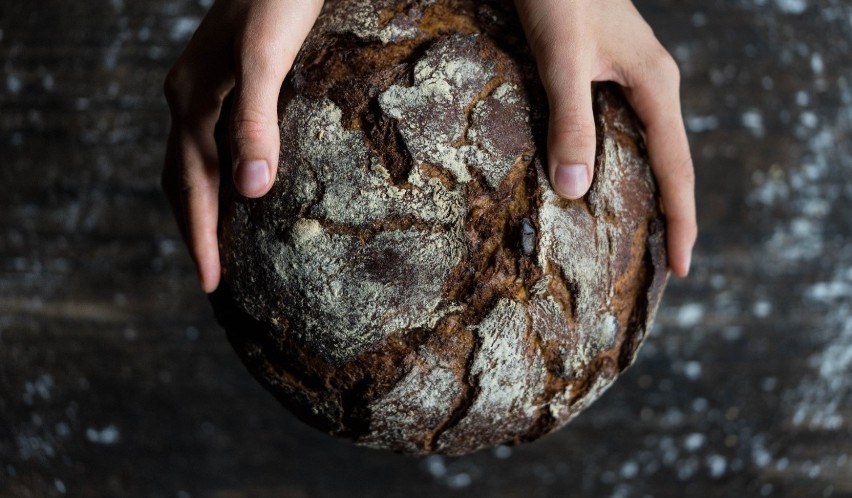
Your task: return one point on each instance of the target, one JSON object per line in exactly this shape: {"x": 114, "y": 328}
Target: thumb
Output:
{"x": 254, "y": 128}
{"x": 571, "y": 137}
{"x": 559, "y": 39}
{"x": 265, "y": 51}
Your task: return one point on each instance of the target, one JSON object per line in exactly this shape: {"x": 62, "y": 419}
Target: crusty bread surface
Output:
{"x": 412, "y": 281}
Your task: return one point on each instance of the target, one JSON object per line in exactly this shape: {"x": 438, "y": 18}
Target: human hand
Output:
{"x": 580, "y": 41}
{"x": 243, "y": 45}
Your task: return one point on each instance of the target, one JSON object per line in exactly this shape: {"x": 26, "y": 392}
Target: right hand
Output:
{"x": 247, "y": 46}
{"x": 577, "y": 42}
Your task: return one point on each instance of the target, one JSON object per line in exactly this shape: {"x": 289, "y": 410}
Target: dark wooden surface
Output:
{"x": 116, "y": 381}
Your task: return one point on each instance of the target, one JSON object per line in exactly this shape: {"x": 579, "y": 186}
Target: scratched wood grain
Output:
{"x": 116, "y": 381}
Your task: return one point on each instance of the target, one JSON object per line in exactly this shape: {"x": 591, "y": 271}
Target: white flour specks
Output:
{"x": 493, "y": 158}
{"x": 581, "y": 246}
{"x": 429, "y": 139}
{"x": 109, "y": 435}
{"x": 355, "y": 185}
{"x": 692, "y": 370}
{"x": 689, "y": 315}
{"x": 811, "y": 194}
{"x": 421, "y": 399}
{"x": 39, "y": 388}
{"x": 361, "y": 18}
{"x": 13, "y": 83}
{"x": 752, "y": 120}
{"x": 828, "y": 291}
{"x": 770, "y": 188}
{"x": 573, "y": 244}
{"x": 503, "y": 376}
{"x": 510, "y": 372}
{"x": 353, "y": 303}
{"x": 183, "y": 27}
{"x": 808, "y": 119}
{"x": 803, "y": 237}
{"x": 821, "y": 398}
{"x": 507, "y": 93}
{"x": 306, "y": 230}
{"x": 701, "y": 124}
{"x": 694, "y": 442}
{"x": 343, "y": 283}
{"x": 562, "y": 403}
{"x": 455, "y": 474}
{"x": 817, "y": 65}
{"x": 792, "y": 6}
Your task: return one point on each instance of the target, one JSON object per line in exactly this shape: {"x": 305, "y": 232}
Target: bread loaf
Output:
{"x": 412, "y": 281}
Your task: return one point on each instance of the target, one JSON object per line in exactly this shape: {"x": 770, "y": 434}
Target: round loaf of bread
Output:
{"x": 412, "y": 281}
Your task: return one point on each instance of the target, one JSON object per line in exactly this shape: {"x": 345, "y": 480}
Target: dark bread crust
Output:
{"x": 494, "y": 311}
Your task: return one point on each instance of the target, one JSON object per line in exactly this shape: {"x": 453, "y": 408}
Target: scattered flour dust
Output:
{"x": 812, "y": 193}
{"x": 502, "y": 343}
{"x": 820, "y": 399}
{"x": 806, "y": 202}
{"x": 792, "y": 6}
{"x": 183, "y": 27}
{"x": 818, "y": 402}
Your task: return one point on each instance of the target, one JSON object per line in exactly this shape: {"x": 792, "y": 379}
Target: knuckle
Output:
{"x": 573, "y": 128}
{"x": 686, "y": 172}
{"x": 182, "y": 180}
{"x": 560, "y": 59}
{"x": 687, "y": 225}
{"x": 193, "y": 182}
{"x": 685, "y": 228}
{"x": 680, "y": 174}
{"x": 689, "y": 232}
{"x": 663, "y": 67}
{"x": 692, "y": 232}
{"x": 249, "y": 126}
{"x": 176, "y": 80}
{"x": 186, "y": 97}
{"x": 537, "y": 34}
{"x": 264, "y": 56}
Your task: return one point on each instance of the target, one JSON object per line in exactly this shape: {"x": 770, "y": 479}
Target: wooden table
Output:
{"x": 116, "y": 381}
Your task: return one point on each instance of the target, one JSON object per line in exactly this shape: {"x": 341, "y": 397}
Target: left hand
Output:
{"x": 247, "y": 46}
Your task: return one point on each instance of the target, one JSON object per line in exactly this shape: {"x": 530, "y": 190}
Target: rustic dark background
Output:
{"x": 116, "y": 381}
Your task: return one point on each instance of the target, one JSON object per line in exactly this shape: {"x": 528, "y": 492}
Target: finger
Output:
{"x": 571, "y": 137}
{"x": 564, "y": 57}
{"x": 199, "y": 202}
{"x": 654, "y": 93}
{"x": 194, "y": 89}
{"x": 191, "y": 170}
{"x": 190, "y": 181}
{"x": 264, "y": 53}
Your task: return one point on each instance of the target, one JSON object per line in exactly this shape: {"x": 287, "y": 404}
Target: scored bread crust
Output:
{"x": 412, "y": 281}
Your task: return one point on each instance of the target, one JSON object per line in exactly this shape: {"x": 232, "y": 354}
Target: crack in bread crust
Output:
{"x": 412, "y": 282}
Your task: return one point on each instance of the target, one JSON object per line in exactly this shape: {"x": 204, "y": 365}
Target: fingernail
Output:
{"x": 252, "y": 176}
{"x": 572, "y": 179}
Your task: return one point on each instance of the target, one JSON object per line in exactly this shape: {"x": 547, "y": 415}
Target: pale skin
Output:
{"x": 249, "y": 46}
